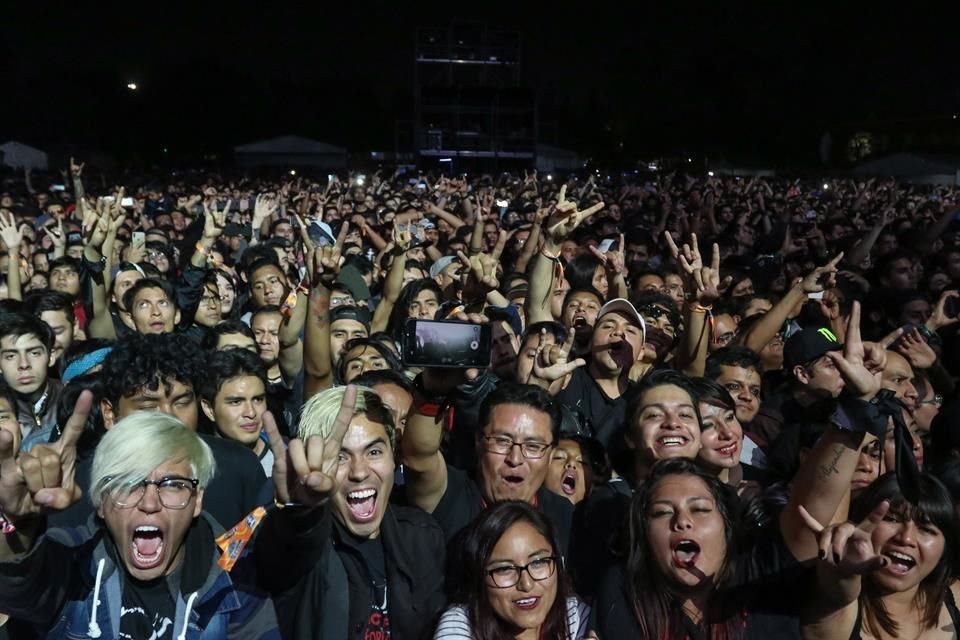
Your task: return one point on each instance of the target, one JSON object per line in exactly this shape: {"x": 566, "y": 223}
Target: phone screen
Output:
{"x": 440, "y": 343}
{"x": 139, "y": 237}
{"x": 606, "y": 244}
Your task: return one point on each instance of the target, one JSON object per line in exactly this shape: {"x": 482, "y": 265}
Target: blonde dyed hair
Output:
{"x": 320, "y": 412}
{"x": 140, "y": 443}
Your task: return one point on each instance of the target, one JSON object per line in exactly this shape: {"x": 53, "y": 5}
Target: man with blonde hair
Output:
{"x": 335, "y": 533}
{"x": 147, "y": 564}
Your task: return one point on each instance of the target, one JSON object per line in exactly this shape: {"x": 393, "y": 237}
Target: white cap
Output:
{"x": 622, "y": 305}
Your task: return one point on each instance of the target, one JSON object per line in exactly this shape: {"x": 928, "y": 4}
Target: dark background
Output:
{"x": 761, "y": 83}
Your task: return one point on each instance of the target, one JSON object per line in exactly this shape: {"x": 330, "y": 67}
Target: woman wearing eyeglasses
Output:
{"x": 511, "y": 582}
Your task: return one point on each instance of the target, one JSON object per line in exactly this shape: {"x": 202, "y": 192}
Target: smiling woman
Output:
{"x": 512, "y": 582}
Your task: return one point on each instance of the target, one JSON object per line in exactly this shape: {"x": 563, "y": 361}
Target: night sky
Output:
{"x": 759, "y": 83}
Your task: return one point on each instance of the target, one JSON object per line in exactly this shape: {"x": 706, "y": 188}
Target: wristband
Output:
{"x": 696, "y": 307}
{"x": 6, "y": 525}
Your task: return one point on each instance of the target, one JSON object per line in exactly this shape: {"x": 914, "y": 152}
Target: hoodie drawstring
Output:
{"x": 93, "y": 629}
{"x": 186, "y": 616}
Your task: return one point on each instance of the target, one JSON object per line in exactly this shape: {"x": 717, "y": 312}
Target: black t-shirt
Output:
{"x": 764, "y": 593}
{"x": 378, "y": 624}
{"x": 607, "y": 415}
{"x": 147, "y": 610}
{"x": 462, "y": 502}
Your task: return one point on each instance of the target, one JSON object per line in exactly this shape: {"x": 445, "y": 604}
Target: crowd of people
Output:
{"x": 685, "y": 407}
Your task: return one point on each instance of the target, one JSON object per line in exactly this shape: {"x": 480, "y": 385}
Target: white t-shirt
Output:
{"x": 455, "y": 623}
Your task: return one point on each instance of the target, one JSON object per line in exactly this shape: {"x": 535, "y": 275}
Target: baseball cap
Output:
{"x": 623, "y": 306}
{"x": 427, "y": 224}
{"x": 809, "y": 344}
{"x": 437, "y": 267}
{"x": 347, "y": 312}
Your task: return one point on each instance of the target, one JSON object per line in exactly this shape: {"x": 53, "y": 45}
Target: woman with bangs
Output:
{"x": 891, "y": 575}
{"x": 721, "y": 436}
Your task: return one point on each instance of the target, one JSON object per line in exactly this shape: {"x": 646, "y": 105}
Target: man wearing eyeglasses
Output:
{"x": 519, "y": 429}
{"x": 147, "y": 566}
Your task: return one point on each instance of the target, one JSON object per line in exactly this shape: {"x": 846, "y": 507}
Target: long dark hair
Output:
{"x": 934, "y": 507}
{"x": 473, "y": 554}
{"x": 401, "y": 310}
{"x": 656, "y": 601}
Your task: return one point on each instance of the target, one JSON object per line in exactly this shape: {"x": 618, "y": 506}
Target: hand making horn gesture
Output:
{"x": 305, "y": 472}
{"x": 702, "y": 281}
{"x": 848, "y": 547}
{"x": 42, "y": 479}
{"x": 565, "y": 217}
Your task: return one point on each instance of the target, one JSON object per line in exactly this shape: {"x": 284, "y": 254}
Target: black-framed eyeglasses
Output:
{"x": 503, "y": 445}
{"x": 937, "y": 401}
{"x": 211, "y": 300}
{"x": 173, "y": 492}
{"x": 508, "y": 576}
{"x": 653, "y": 311}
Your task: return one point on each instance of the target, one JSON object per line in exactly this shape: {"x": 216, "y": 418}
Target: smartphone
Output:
{"x": 126, "y": 202}
{"x": 606, "y": 244}
{"x": 139, "y": 238}
{"x": 58, "y": 187}
{"x": 503, "y": 204}
{"x": 442, "y": 343}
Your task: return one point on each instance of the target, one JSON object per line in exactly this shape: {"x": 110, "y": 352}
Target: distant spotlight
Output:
{"x": 826, "y": 186}
{"x": 445, "y": 160}
{"x": 710, "y": 173}
{"x": 359, "y": 182}
{"x": 549, "y": 176}
{"x": 132, "y": 86}
{"x": 293, "y": 172}
{"x": 689, "y": 159}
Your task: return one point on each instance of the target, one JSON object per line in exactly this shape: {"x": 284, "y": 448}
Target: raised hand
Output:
{"x": 852, "y": 362}
{"x": 703, "y": 282}
{"x": 306, "y": 472}
{"x": 613, "y": 260}
{"x": 848, "y": 547}
{"x": 57, "y": 236}
{"x": 9, "y": 232}
{"x": 214, "y": 221}
{"x": 939, "y": 317}
{"x": 264, "y": 207}
{"x": 34, "y": 482}
{"x": 915, "y": 349}
{"x": 565, "y": 217}
{"x": 552, "y": 362}
{"x": 402, "y": 239}
{"x": 76, "y": 170}
{"x": 480, "y": 270}
{"x": 822, "y": 278}
{"x": 327, "y": 260}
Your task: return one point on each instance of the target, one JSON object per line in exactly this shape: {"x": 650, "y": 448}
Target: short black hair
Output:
{"x": 64, "y": 261}
{"x": 575, "y": 290}
{"x": 267, "y": 308}
{"x": 228, "y": 327}
{"x": 226, "y": 365}
{"x": 340, "y": 374}
{"x": 149, "y": 283}
{"x": 557, "y": 330}
{"x": 735, "y": 356}
{"x": 256, "y": 265}
{"x": 527, "y": 395}
{"x": 384, "y": 376}
{"x": 149, "y": 361}
{"x": 713, "y": 393}
{"x": 23, "y": 324}
{"x": 36, "y": 302}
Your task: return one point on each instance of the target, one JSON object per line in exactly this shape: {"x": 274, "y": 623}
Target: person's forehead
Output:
{"x": 167, "y": 387}
{"x": 267, "y": 271}
{"x": 523, "y": 419}
{"x": 151, "y": 293}
{"x": 63, "y": 269}
{"x": 56, "y": 316}
{"x": 667, "y": 394}
{"x": 584, "y": 296}
{"x": 269, "y": 321}
{"x": 363, "y": 352}
{"x": 897, "y": 365}
{"x": 736, "y": 373}
{"x": 247, "y": 385}
{"x": 235, "y": 339}
{"x": 24, "y": 341}
{"x": 348, "y": 324}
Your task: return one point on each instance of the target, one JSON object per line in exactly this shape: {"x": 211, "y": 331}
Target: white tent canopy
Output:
{"x": 21, "y": 156}
{"x": 288, "y": 151}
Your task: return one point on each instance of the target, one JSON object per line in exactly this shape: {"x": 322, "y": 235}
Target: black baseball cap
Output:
{"x": 808, "y": 345}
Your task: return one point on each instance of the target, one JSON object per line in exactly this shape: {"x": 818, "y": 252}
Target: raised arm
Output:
{"x": 862, "y": 249}
{"x": 393, "y": 283}
{"x": 450, "y": 218}
{"x": 764, "y": 329}
{"x": 12, "y": 237}
{"x": 318, "y": 363}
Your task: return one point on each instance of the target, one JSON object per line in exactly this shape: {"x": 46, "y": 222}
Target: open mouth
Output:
{"x": 728, "y": 451}
{"x": 513, "y": 481}
{"x": 362, "y": 505}
{"x": 568, "y": 482}
{"x": 900, "y": 563}
{"x": 685, "y": 553}
{"x": 527, "y": 603}
{"x": 147, "y": 546}
{"x": 670, "y": 442}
